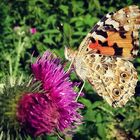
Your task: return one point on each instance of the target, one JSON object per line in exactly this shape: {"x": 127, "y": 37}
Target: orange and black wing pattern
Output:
{"x": 116, "y": 34}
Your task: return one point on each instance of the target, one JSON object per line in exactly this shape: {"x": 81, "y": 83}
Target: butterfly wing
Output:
{"x": 116, "y": 34}
{"x": 113, "y": 78}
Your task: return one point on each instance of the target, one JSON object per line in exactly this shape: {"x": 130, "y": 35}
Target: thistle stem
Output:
{"x": 19, "y": 50}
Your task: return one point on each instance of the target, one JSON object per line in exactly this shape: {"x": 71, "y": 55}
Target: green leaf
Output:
{"x": 51, "y": 138}
{"x": 136, "y": 124}
{"x": 64, "y": 8}
{"x": 90, "y": 115}
{"x": 98, "y": 118}
{"x": 86, "y": 102}
{"x": 96, "y": 104}
{"x": 101, "y": 131}
{"x": 97, "y": 4}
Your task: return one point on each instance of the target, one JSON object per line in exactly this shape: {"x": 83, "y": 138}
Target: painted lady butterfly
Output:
{"x": 104, "y": 56}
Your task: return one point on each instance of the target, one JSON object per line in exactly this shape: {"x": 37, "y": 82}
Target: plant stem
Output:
{"x": 19, "y": 49}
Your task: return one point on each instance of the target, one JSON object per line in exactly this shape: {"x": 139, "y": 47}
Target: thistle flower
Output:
{"x": 37, "y": 114}
{"x": 32, "y": 30}
{"x": 59, "y": 91}
{"x": 10, "y": 95}
{"x": 44, "y": 105}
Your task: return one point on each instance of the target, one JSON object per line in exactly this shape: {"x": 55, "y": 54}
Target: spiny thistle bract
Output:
{"x": 9, "y": 98}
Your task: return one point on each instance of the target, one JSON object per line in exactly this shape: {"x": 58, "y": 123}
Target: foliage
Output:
{"x": 60, "y": 23}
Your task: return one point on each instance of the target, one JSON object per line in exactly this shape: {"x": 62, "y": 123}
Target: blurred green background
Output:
{"x": 28, "y": 28}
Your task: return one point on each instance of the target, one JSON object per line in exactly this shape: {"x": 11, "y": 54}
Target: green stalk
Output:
{"x": 10, "y": 66}
{"x": 19, "y": 50}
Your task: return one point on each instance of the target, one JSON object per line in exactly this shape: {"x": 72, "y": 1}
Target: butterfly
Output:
{"x": 104, "y": 56}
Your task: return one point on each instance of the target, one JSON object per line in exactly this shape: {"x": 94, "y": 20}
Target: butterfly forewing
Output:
{"x": 116, "y": 34}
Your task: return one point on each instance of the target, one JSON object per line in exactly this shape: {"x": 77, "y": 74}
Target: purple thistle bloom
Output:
{"x": 37, "y": 113}
{"x": 56, "y": 108}
{"x": 33, "y": 30}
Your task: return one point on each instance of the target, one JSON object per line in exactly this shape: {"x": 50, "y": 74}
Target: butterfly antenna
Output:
{"x": 66, "y": 39}
{"x": 65, "y": 36}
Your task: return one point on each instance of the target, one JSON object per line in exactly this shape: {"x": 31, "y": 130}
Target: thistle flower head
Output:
{"x": 37, "y": 113}
{"x": 59, "y": 90}
{"x": 32, "y": 30}
{"x": 45, "y": 105}
{"x": 10, "y": 96}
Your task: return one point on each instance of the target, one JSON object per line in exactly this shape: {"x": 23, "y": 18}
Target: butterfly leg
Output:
{"x": 70, "y": 66}
{"x": 80, "y": 90}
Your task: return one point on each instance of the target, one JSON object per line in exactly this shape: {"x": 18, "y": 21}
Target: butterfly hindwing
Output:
{"x": 112, "y": 78}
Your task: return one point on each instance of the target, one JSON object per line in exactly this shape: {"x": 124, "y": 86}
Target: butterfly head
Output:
{"x": 69, "y": 53}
